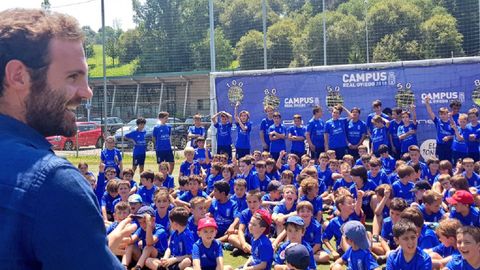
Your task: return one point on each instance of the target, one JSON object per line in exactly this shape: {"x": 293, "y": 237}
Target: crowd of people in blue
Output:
{"x": 363, "y": 184}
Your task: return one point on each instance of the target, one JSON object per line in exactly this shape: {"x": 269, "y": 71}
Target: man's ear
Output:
{"x": 16, "y": 75}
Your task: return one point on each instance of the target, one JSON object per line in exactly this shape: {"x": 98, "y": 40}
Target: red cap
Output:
{"x": 461, "y": 196}
{"x": 207, "y": 222}
{"x": 265, "y": 215}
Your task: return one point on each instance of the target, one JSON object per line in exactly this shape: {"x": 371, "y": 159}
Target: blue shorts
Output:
{"x": 166, "y": 155}
{"x": 139, "y": 160}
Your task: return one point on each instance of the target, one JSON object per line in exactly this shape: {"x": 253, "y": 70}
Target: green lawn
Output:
{"x": 95, "y": 65}
{"x": 150, "y": 163}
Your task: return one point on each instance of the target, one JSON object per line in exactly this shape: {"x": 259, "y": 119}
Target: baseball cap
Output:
{"x": 135, "y": 198}
{"x": 461, "y": 196}
{"x": 295, "y": 220}
{"x": 143, "y": 211}
{"x": 265, "y": 215}
{"x": 206, "y": 223}
{"x": 421, "y": 185}
{"x": 274, "y": 185}
{"x": 297, "y": 256}
{"x": 355, "y": 231}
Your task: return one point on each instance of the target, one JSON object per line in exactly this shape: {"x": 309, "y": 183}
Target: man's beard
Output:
{"x": 46, "y": 111}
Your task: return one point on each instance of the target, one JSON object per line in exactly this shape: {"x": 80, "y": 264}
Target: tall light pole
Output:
{"x": 212, "y": 37}
{"x": 324, "y": 34}
{"x": 104, "y": 61}
{"x": 264, "y": 20}
{"x": 366, "y": 30}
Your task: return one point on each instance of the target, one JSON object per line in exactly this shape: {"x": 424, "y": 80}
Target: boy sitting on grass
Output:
{"x": 468, "y": 242}
{"x": 262, "y": 251}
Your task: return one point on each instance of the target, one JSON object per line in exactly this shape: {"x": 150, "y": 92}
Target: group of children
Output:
{"x": 283, "y": 210}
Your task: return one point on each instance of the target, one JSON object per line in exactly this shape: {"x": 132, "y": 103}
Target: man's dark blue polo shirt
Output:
{"x": 49, "y": 216}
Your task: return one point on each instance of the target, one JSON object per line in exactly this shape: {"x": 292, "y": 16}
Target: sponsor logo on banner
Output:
{"x": 299, "y": 102}
{"x": 427, "y": 148}
{"x": 368, "y": 79}
{"x": 443, "y": 97}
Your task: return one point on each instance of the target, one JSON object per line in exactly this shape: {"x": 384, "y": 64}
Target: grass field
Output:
{"x": 150, "y": 163}
{"x": 95, "y": 65}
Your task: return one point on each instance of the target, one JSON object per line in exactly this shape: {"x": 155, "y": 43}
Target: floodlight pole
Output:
{"x": 212, "y": 37}
{"x": 324, "y": 34}
{"x": 264, "y": 19}
{"x": 366, "y": 30}
{"x": 104, "y": 60}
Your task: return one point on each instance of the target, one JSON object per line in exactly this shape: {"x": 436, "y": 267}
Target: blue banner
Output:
{"x": 297, "y": 93}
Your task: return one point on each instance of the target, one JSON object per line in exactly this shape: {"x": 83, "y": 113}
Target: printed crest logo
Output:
{"x": 271, "y": 99}
{"x": 404, "y": 96}
{"x": 333, "y": 96}
{"x": 235, "y": 92}
{"x": 476, "y": 93}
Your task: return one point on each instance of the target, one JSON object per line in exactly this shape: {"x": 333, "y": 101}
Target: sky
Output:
{"x": 87, "y": 12}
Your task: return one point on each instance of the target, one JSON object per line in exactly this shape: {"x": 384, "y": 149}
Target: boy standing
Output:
{"x": 224, "y": 133}
{"x": 296, "y": 134}
{"x": 111, "y": 156}
{"x": 444, "y": 131}
{"x": 408, "y": 256}
{"x": 161, "y": 138}
{"x": 277, "y": 134}
{"x": 139, "y": 144}
{"x": 314, "y": 134}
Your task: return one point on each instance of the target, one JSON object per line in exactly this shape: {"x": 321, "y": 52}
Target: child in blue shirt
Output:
{"x": 296, "y": 134}
{"x": 240, "y": 195}
{"x": 426, "y": 236}
{"x": 291, "y": 165}
{"x": 387, "y": 241}
{"x": 431, "y": 207}
{"x": 402, "y": 188}
{"x": 207, "y": 253}
{"x": 262, "y": 250}
{"x": 393, "y": 131}
{"x": 468, "y": 165}
{"x": 198, "y": 209}
{"x": 473, "y": 141}
{"x": 179, "y": 252}
{"x": 445, "y": 132}
{"x": 358, "y": 256}
{"x": 379, "y": 134}
{"x": 260, "y": 176}
{"x": 376, "y": 174}
{"x": 408, "y": 256}
{"x": 122, "y": 210}
{"x": 214, "y": 176}
{"x": 264, "y": 125}
{"x": 309, "y": 187}
{"x": 168, "y": 181}
{"x": 221, "y": 207}
{"x": 110, "y": 195}
{"x": 463, "y": 209}
{"x": 224, "y": 133}
{"x": 196, "y": 131}
{"x": 324, "y": 173}
{"x": 148, "y": 188}
{"x": 202, "y": 154}
{"x": 287, "y": 208}
{"x": 161, "y": 137}
{"x": 111, "y": 156}
{"x": 364, "y": 185}
{"x": 468, "y": 241}
{"x": 447, "y": 234}
{"x": 273, "y": 196}
{"x": 336, "y": 133}
{"x": 388, "y": 162}
{"x": 407, "y": 133}
{"x": 277, "y": 134}
{"x": 245, "y": 165}
{"x": 194, "y": 190}
{"x": 163, "y": 205}
{"x": 459, "y": 145}
{"x": 244, "y": 127}
{"x": 315, "y": 133}
{"x": 139, "y": 144}
{"x": 356, "y": 132}
{"x": 433, "y": 165}
{"x": 152, "y": 236}
{"x": 189, "y": 166}
{"x": 127, "y": 175}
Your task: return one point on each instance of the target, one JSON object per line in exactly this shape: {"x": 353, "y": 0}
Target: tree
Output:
{"x": 395, "y": 47}
{"x": 345, "y": 34}
{"x": 129, "y": 44}
{"x": 280, "y": 43}
{"x": 441, "y": 37}
{"x": 89, "y": 41}
{"x": 112, "y": 46}
{"x": 223, "y": 52}
{"x": 249, "y": 50}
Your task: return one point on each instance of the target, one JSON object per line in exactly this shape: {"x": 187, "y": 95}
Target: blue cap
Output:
{"x": 143, "y": 211}
{"x": 297, "y": 255}
{"x": 295, "y": 220}
{"x": 355, "y": 231}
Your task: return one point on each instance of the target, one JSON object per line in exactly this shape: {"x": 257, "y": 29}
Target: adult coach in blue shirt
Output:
{"x": 49, "y": 215}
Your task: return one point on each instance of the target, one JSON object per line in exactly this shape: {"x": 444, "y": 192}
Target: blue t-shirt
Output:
{"x": 410, "y": 139}
{"x": 403, "y": 191}
{"x": 359, "y": 259}
{"x": 243, "y": 136}
{"x": 112, "y": 227}
{"x": 472, "y": 219}
{"x": 458, "y": 263}
{"x": 159, "y": 232}
{"x": 472, "y": 145}
{"x": 240, "y": 203}
{"x": 325, "y": 176}
{"x": 161, "y": 134}
{"x": 164, "y": 221}
{"x": 147, "y": 194}
{"x": 193, "y": 228}
{"x": 355, "y": 131}
{"x": 279, "y": 257}
{"x": 111, "y": 158}
{"x": 317, "y": 203}
{"x": 420, "y": 261}
{"x": 387, "y": 232}
{"x": 107, "y": 201}
{"x": 187, "y": 196}
{"x": 380, "y": 178}
{"x": 461, "y": 146}
{"x": 282, "y": 208}
{"x": 428, "y": 238}
{"x": 473, "y": 181}
{"x": 342, "y": 183}
{"x": 196, "y": 131}
{"x": 263, "y": 184}
{"x": 379, "y": 136}
{"x": 185, "y": 168}
{"x": 181, "y": 244}
{"x": 333, "y": 228}
{"x": 393, "y": 132}
{"x": 244, "y": 218}
{"x": 444, "y": 251}
{"x": 252, "y": 182}
{"x": 369, "y": 185}
{"x": 223, "y": 213}
{"x": 264, "y": 125}
{"x": 169, "y": 182}
{"x": 262, "y": 251}
{"x": 200, "y": 156}
{"x": 443, "y": 130}
{"x": 224, "y": 134}
{"x": 273, "y": 175}
{"x": 370, "y": 116}
{"x": 388, "y": 164}
{"x": 337, "y": 133}
{"x": 297, "y": 146}
{"x": 313, "y": 233}
{"x": 276, "y": 146}
{"x": 207, "y": 256}
{"x": 434, "y": 217}
{"x": 296, "y": 171}
{"x": 140, "y": 145}
{"x": 316, "y": 128}
{"x": 211, "y": 180}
